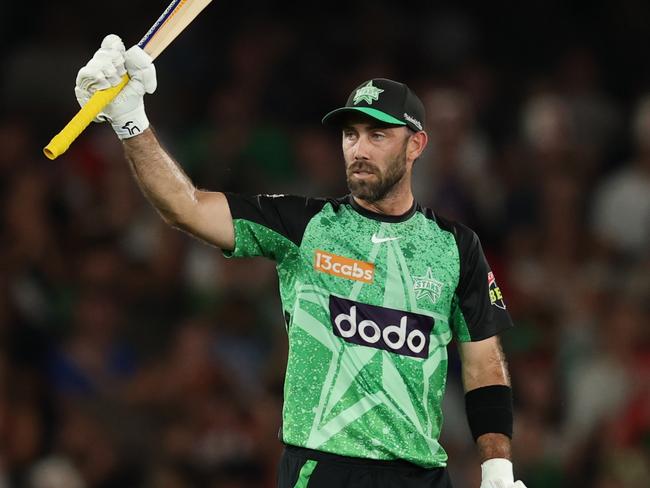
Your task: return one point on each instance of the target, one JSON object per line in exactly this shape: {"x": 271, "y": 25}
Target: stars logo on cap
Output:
{"x": 367, "y": 93}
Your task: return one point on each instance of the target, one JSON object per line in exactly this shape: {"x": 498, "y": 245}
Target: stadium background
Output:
{"x": 134, "y": 356}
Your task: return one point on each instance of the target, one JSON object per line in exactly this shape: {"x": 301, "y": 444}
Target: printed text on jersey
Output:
{"x": 397, "y": 331}
{"x": 343, "y": 267}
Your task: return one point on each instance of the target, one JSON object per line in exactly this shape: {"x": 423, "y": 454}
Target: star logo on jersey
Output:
{"x": 427, "y": 287}
{"x": 367, "y": 93}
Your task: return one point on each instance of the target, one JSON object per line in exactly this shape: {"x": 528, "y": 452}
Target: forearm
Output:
{"x": 485, "y": 367}
{"x": 203, "y": 214}
{"x": 488, "y": 397}
{"x": 161, "y": 179}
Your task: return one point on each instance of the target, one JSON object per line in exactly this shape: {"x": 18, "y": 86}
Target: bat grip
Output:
{"x": 61, "y": 142}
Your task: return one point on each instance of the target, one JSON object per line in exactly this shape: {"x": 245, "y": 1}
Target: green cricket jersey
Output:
{"x": 371, "y": 302}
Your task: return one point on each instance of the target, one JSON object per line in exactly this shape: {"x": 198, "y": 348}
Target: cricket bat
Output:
{"x": 176, "y": 17}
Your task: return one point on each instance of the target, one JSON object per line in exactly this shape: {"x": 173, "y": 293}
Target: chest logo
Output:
{"x": 427, "y": 287}
{"x": 379, "y": 240}
{"x": 343, "y": 267}
{"x": 395, "y": 331}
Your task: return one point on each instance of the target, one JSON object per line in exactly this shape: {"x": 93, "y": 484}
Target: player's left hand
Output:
{"x": 497, "y": 473}
{"x": 109, "y": 63}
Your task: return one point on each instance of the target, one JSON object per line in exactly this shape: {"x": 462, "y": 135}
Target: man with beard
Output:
{"x": 373, "y": 288}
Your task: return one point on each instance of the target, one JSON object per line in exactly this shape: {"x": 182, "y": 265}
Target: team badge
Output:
{"x": 367, "y": 93}
{"x": 496, "y": 298}
{"x": 427, "y": 287}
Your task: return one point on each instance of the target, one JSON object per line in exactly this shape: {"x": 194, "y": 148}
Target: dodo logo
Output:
{"x": 396, "y": 331}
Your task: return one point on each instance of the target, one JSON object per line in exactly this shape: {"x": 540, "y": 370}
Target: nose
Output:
{"x": 361, "y": 147}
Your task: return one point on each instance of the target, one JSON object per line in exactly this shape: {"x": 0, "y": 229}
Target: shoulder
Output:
{"x": 287, "y": 215}
{"x": 314, "y": 205}
{"x": 464, "y": 236}
{"x": 277, "y": 201}
{"x": 306, "y": 207}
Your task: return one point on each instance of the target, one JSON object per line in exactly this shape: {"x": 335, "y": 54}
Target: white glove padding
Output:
{"x": 497, "y": 473}
{"x": 106, "y": 68}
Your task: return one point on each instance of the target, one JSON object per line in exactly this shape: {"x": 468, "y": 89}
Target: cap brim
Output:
{"x": 334, "y": 116}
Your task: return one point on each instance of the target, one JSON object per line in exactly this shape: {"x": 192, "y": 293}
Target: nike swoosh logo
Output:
{"x": 379, "y": 240}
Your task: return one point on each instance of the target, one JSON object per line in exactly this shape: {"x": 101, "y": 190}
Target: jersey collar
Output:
{"x": 381, "y": 217}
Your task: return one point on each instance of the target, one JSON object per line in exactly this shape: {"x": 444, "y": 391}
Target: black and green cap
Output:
{"x": 385, "y": 100}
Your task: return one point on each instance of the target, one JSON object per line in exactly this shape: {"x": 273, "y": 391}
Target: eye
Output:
{"x": 378, "y": 136}
{"x": 349, "y": 135}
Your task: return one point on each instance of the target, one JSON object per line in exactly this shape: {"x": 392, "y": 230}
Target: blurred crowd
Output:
{"x": 132, "y": 355}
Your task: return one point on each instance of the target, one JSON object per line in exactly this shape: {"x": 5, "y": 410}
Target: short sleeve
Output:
{"x": 478, "y": 308}
{"x": 269, "y": 225}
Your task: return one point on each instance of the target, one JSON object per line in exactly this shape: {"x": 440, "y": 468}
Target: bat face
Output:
{"x": 177, "y": 16}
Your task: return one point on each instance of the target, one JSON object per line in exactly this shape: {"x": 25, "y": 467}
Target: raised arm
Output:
{"x": 203, "y": 214}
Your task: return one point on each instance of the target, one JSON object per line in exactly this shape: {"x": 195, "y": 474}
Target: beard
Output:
{"x": 375, "y": 189}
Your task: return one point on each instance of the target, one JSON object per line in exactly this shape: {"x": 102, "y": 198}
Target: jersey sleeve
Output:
{"x": 478, "y": 308}
{"x": 269, "y": 225}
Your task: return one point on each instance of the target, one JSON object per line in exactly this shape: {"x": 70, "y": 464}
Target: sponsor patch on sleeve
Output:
{"x": 496, "y": 298}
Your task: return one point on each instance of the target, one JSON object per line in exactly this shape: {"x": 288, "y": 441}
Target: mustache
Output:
{"x": 361, "y": 166}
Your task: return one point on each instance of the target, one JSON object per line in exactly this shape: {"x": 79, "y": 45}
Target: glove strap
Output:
{"x": 131, "y": 123}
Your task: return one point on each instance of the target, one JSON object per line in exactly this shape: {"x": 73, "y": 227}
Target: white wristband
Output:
{"x": 497, "y": 469}
{"x": 131, "y": 123}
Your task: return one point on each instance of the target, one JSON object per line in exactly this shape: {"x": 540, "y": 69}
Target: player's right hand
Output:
{"x": 106, "y": 68}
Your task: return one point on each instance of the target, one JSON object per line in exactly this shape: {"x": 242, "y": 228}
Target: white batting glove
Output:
{"x": 497, "y": 473}
{"x": 106, "y": 68}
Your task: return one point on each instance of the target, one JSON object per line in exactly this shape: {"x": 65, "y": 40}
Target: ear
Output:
{"x": 417, "y": 143}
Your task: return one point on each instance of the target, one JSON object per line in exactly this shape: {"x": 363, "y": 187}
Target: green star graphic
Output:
{"x": 427, "y": 286}
{"x": 367, "y": 93}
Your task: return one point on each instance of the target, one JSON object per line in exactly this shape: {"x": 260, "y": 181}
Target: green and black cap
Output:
{"x": 385, "y": 100}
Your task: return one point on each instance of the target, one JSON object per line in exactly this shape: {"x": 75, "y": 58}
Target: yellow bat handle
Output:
{"x": 61, "y": 142}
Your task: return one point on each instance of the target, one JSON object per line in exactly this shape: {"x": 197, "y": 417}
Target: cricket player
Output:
{"x": 373, "y": 288}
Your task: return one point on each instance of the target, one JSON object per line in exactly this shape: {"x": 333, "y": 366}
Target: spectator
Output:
{"x": 621, "y": 207}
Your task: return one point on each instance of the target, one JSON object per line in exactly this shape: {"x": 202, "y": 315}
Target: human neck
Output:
{"x": 395, "y": 203}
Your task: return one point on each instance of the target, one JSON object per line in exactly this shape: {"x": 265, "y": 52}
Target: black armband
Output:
{"x": 489, "y": 410}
